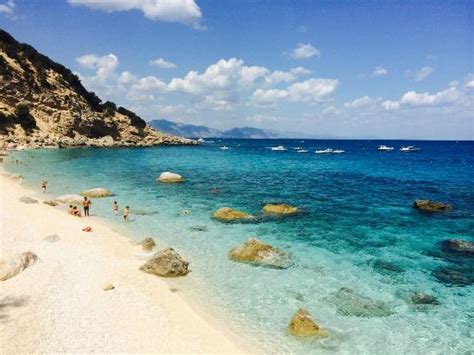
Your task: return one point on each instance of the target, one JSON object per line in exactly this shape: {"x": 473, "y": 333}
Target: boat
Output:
{"x": 279, "y": 148}
{"x": 338, "y": 151}
{"x": 384, "y": 148}
{"x": 302, "y": 151}
{"x": 224, "y": 147}
{"x": 409, "y": 149}
{"x": 201, "y": 140}
{"x": 298, "y": 148}
{"x": 325, "y": 151}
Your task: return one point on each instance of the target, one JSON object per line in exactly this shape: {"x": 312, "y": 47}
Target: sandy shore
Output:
{"x": 59, "y": 304}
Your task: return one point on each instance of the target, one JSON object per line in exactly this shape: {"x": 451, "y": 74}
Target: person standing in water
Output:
{"x": 115, "y": 207}
{"x": 86, "y": 204}
{"x": 44, "y": 185}
{"x": 126, "y": 211}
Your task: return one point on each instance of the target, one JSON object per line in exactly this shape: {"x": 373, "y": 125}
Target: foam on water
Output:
{"x": 356, "y": 230}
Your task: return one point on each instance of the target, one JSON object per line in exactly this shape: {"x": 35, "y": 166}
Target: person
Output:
{"x": 44, "y": 185}
{"x": 126, "y": 211}
{"x": 86, "y": 204}
{"x": 76, "y": 212}
{"x": 115, "y": 207}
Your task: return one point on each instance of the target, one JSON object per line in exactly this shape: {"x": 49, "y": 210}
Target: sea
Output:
{"x": 360, "y": 250}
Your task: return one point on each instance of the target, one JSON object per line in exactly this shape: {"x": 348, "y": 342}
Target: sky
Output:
{"x": 346, "y": 69}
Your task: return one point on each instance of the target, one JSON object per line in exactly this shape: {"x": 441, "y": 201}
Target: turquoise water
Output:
{"x": 356, "y": 230}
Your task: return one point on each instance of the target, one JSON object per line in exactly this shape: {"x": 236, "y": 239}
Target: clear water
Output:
{"x": 357, "y": 229}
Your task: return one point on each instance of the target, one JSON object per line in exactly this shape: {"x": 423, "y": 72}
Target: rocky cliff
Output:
{"x": 43, "y": 104}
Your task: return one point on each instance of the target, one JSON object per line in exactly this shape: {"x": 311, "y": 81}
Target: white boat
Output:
{"x": 338, "y": 151}
{"x": 298, "y": 148}
{"x": 384, "y": 148}
{"x": 279, "y": 148}
{"x": 201, "y": 140}
{"x": 325, "y": 151}
{"x": 302, "y": 151}
{"x": 409, "y": 149}
{"x": 224, "y": 147}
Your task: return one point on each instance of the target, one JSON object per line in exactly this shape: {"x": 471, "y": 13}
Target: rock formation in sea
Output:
{"x": 166, "y": 263}
{"x": 349, "y": 303}
{"x": 44, "y": 104}
{"x": 97, "y": 192}
{"x": 431, "y": 206}
{"x": 69, "y": 199}
{"x": 13, "y": 266}
{"x": 424, "y": 298}
{"x": 280, "y": 209}
{"x": 255, "y": 252}
{"x": 226, "y": 214}
{"x": 458, "y": 246}
{"x": 169, "y": 177}
{"x": 303, "y": 325}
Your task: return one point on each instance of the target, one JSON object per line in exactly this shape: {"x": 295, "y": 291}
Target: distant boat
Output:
{"x": 224, "y": 147}
{"x": 338, "y": 151}
{"x": 325, "y": 151}
{"x": 298, "y": 148}
{"x": 302, "y": 151}
{"x": 201, "y": 140}
{"x": 279, "y": 148}
{"x": 409, "y": 149}
{"x": 384, "y": 148}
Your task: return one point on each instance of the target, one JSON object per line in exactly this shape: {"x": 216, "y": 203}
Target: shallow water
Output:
{"x": 356, "y": 229}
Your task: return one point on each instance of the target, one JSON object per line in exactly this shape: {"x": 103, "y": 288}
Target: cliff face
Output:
{"x": 42, "y": 103}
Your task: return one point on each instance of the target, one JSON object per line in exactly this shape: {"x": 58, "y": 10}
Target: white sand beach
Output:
{"x": 59, "y": 304}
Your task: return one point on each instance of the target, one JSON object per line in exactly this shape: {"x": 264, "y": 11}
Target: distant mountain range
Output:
{"x": 194, "y": 131}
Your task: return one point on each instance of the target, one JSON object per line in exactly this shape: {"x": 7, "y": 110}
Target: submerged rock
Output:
{"x": 147, "y": 244}
{"x": 255, "y": 252}
{"x": 70, "y": 199}
{"x": 455, "y": 276}
{"x": 386, "y": 267}
{"x": 96, "y": 192}
{"x": 167, "y": 263}
{"x": 168, "y": 177}
{"x": 12, "y": 267}
{"x": 431, "y": 206}
{"x": 303, "y": 325}
{"x": 423, "y": 298}
{"x": 349, "y": 303}
{"x": 458, "y": 246}
{"x": 26, "y": 199}
{"x": 226, "y": 214}
{"x": 52, "y": 203}
{"x": 198, "y": 228}
{"x": 280, "y": 209}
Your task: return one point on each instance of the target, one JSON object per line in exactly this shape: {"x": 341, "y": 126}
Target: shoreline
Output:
{"x": 40, "y": 303}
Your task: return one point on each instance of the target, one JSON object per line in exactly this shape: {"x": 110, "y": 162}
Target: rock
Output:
{"x": 147, "y": 244}
{"x": 255, "y": 252}
{"x": 303, "y": 325}
{"x": 26, "y": 199}
{"x": 198, "y": 228}
{"x": 12, "y": 267}
{"x": 53, "y": 238}
{"x": 109, "y": 287}
{"x": 349, "y": 303}
{"x": 386, "y": 267}
{"x": 452, "y": 276}
{"x": 168, "y": 177}
{"x": 431, "y": 206}
{"x": 423, "y": 298}
{"x": 280, "y": 209}
{"x": 226, "y": 214}
{"x": 167, "y": 263}
{"x": 96, "y": 192}
{"x": 70, "y": 199}
{"x": 51, "y": 203}
{"x": 458, "y": 246}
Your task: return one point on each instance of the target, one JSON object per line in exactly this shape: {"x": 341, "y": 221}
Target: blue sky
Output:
{"x": 391, "y": 69}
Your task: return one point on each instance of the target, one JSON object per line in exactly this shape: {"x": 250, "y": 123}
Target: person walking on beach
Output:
{"x": 86, "y": 204}
{"x": 126, "y": 211}
{"x": 115, "y": 207}
{"x": 44, "y": 185}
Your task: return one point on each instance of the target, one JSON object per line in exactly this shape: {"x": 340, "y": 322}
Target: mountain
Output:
{"x": 42, "y": 103}
{"x": 193, "y": 131}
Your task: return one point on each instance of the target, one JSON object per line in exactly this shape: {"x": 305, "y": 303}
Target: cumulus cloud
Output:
{"x": 448, "y": 96}
{"x": 279, "y": 76}
{"x": 163, "y": 64}
{"x": 469, "y": 83}
{"x": 362, "y": 102}
{"x": 8, "y": 7}
{"x": 181, "y": 11}
{"x": 423, "y": 73}
{"x": 305, "y": 51}
{"x": 104, "y": 66}
{"x": 380, "y": 71}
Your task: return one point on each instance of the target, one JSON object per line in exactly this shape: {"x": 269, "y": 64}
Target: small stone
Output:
{"x": 303, "y": 325}
{"x": 109, "y": 287}
{"x": 423, "y": 298}
{"x": 26, "y": 199}
{"x": 51, "y": 203}
{"x": 147, "y": 244}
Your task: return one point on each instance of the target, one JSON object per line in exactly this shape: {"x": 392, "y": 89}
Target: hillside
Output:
{"x": 193, "y": 131}
{"x": 43, "y": 104}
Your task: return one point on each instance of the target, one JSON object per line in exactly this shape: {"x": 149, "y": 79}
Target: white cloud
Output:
{"x": 469, "y": 83}
{"x": 8, "y": 7}
{"x": 362, "y": 102}
{"x": 448, "y": 96}
{"x": 126, "y": 78}
{"x": 390, "y": 105}
{"x": 423, "y": 73}
{"x": 104, "y": 66}
{"x": 380, "y": 71}
{"x": 163, "y": 64}
{"x": 181, "y": 11}
{"x": 304, "y": 51}
{"x": 279, "y": 76}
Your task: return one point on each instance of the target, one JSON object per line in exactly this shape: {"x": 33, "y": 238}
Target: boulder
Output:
{"x": 26, "y": 199}
{"x": 96, "y": 192}
{"x": 15, "y": 265}
{"x": 303, "y": 325}
{"x": 226, "y": 214}
{"x": 423, "y": 298}
{"x": 168, "y": 177}
{"x": 430, "y": 206}
{"x": 147, "y": 244}
{"x": 458, "y": 246}
{"x": 349, "y": 303}
{"x": 51, "y": 203}
{"x": 167, "y": 263}
{"x": 255, "y": 252}
{"x": 70, "y": 199}
{"x": 280, "y": 209}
